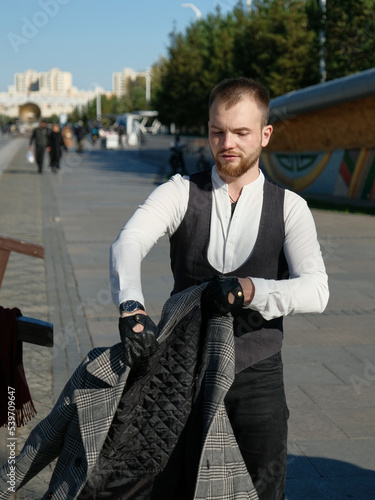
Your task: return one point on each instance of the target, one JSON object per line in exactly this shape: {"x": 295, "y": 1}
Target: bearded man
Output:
{"x": 256, "y": 244}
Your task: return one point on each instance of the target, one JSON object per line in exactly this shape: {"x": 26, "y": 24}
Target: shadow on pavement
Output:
{"x": 317, "y": 478}
{"x": 153, "y": 160}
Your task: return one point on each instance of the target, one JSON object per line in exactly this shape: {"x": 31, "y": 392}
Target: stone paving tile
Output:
{"x": 356, "y": 456}
{"x": 345, "y": 396}
{"x": 296, "y": 374}
{"x": 307, "y": 420}
{"x": 317, "y": 354}
{"x": 354, "y": 373}
{"x": 355, "y": 423}
{"x": 329, "y": 336}
{"x": 104, "y": 333}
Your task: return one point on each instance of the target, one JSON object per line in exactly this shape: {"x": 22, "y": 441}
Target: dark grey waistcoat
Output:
{"x": 255, "y": 338}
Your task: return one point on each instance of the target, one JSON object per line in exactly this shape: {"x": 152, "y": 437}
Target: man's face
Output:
{"x": 236, "y": 137}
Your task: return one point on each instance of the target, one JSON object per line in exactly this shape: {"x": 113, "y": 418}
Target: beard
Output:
{"x": 244, "y": 165}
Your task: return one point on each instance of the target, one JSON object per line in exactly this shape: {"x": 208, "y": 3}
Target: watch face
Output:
{"x": 130, "y": 306}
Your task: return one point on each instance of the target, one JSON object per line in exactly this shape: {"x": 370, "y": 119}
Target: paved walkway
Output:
{"x": 329, "y": 358}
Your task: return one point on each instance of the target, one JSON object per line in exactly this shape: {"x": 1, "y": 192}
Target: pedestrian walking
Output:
{"x": 40, "y": 138}
{"x": 80, "y": 132}
{"x": 56, "y": 146}
{"x": 121, "y": 130}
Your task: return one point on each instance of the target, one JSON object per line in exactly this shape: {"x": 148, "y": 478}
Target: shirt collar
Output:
{"x": 218, "y": 183}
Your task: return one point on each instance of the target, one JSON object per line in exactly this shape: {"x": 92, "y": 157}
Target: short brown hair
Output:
{"x": 232, "y": 90}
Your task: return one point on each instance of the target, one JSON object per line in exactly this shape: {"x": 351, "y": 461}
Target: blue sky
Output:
{"x": 90, "y": 38}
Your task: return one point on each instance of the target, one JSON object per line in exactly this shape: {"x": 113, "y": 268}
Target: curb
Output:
{"x": 8, "y": 152}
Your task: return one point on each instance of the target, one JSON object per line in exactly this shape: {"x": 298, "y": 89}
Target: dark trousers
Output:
{"x": 257, "y": 410}
{"x": 39, "y": 157}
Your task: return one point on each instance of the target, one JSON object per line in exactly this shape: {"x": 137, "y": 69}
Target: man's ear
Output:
{"x": 266, "y": 135}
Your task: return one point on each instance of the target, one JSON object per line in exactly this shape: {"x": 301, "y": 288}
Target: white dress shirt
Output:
{"x": 231, "y": 242}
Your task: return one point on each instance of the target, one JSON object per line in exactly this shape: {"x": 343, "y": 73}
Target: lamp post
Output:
{"x": 147, "y": 75}
{"x": 98, "y": 102}
{"x": 98, "y": 106}
{"x": 191, "y": 6}
{"x": 322, "y": 40}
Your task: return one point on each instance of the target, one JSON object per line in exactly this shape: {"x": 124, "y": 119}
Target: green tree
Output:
{"x": 273, "y": 44}
{"x": 197, "y": 60}
{"x": 135, "y": 98}
{"x": 176, "y": 98}
{"x": 350, "y": 37}
{"x": 282, "y": 45}
{"x": 278, "y": 43}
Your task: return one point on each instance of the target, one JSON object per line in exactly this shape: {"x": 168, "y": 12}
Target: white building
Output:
{"x": 56, "y": 81}
{"x": 26, "y": 82}
{"x": 36, "y": 95}
{"x": 51, "y": 82}
{"x": 120, "y": 81}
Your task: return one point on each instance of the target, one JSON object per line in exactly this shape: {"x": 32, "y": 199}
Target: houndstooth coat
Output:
{"x": 77, "y": 427}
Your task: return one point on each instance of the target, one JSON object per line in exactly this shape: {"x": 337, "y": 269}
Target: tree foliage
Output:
{"x": 277, "y": 43}
{"x": 350, "y": 36}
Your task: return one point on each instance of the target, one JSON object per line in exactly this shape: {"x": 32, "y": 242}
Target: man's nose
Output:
{"x": 228, "y": 140}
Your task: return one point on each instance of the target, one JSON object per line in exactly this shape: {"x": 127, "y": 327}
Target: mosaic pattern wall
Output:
{"x": 343, "y": 172}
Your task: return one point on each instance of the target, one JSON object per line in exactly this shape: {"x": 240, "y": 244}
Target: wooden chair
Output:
{"x": 30, "y": 330}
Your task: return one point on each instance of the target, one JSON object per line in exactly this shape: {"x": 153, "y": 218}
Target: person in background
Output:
{"x": 95, "y": 133}
{"x": 55, "y": 147}
{"x": 80, "y": 133}
{"x": 67, "y": 136}
{"x": 40, "y": 138}
{"x": 255, "y": 243}
{"x": 176, "y": 159}
{"x": 121, "y": 130}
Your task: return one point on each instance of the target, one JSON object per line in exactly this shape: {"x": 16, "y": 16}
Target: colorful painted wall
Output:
{"x": 344, "y": 172}
{"x": 328, "y": 152}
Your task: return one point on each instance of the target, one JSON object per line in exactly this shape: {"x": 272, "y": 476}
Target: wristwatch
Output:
{"x": 130, "y": 306}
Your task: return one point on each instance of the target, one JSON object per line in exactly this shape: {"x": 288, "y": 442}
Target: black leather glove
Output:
{"x": 215, "y": 296}
{"x": 138, "y": 345}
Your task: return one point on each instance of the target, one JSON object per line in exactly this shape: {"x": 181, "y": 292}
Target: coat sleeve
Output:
{"x": 32, "y": 138}
{"x": 45, "y": 440}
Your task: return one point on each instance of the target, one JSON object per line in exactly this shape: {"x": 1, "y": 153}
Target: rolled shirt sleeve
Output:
{"x": 160, "y": 214}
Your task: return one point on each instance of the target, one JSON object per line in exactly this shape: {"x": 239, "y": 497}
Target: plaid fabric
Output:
{"x": 77, "y": 427}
